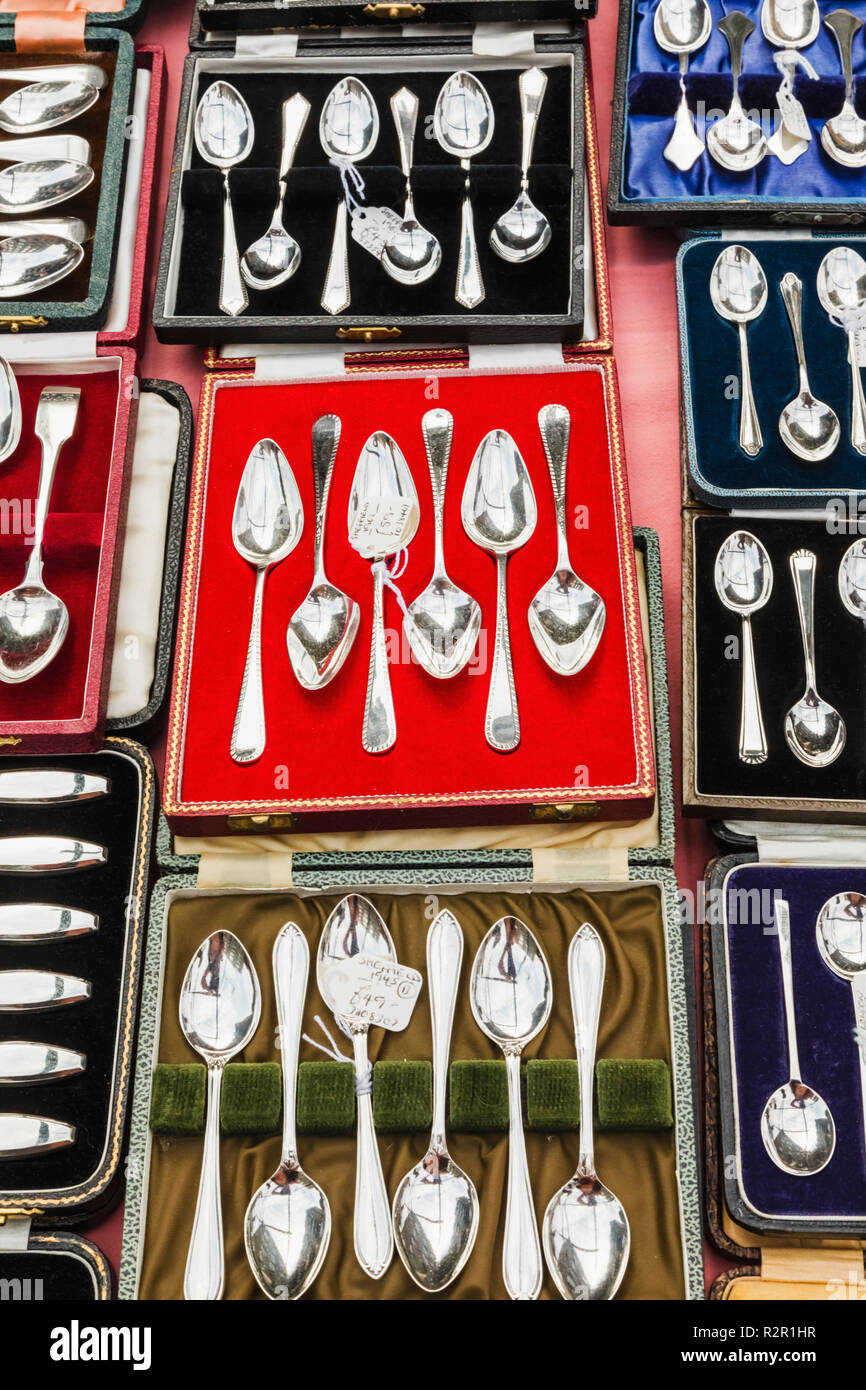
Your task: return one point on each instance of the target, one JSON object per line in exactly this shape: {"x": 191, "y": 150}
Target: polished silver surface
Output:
{"x": 566, "y": 617}
{"x": 463, "y": 124}
{"x": 436, "y": 1205}
{"x": 288, "y": 1222}
{"x": 89, "y": 73}
{"x": 322, "y": 630}
{"x": 844, "y": 135}
{"x": 738, "y": 290}
{"x": 31, "y": 264}
{"x": 736, "y": 141}
{"x": 852, "y": 579}
{"x": 796, "y": 1125}
{"x": 10, "y": 411}
{"x": 348, "y": 131}
{"x": 499, "y": 515}
{"x": 682, "y": 27}
{"x": 841, "y": 933}
{"x": 22, "y": 991}
{"x": 442, "y": 624}
{"x": 842, "y": 292}
{"x": 814, "y": 730}
{"x": 48, "y": 786}
{"x": 48, "y": 854}
{"x": 274, "y": 258}
{"x": 29, "y": 1136}
{"x": 585, "y": 1230}
{"x": 355, "y": 928}
{"x": 383, "y": 490}
{"x": 30, "y": 1063}
{"x": 70, "y": 228}
{"x": 809, "y": 427}
{"x": 412, "y": 254}
{"x": 790, "y": 25}
{"x": 29, "y": 924}
{"x": 27, "y": 148}
{"x": 33, "y": 620}
{"x": 523, "y": 232}
{"x": 224, "y": 135}
{"x": 511, "y": 998}
{"x": 743, "y": 576}
{"x": 267, "y": 525}
{"x": 41, "y": 183}
{"x": 44, "y": 105}
{"x": 220, "y": 1007}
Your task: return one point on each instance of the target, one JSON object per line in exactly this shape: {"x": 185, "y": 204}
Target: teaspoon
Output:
{"x": 852, "y": 580}
{"x": 44, "y": 105}
{"x": 682, "y": 27}
{"x": 274, "y": 258}
{"x": 510, "y": 995}
{"x": 523, "y": 232}
{"x": 30, "y": 264}
{"x": 743, "y": 577}
{"x": 566, "y": 617}
{"x": 10, "y": 411}
{"x": 348, "y": 131}
{"x": 842, "y": 292}
{"x": 412, "y": 254}
{"x": 844, "y": 135}
{"x": 790, "y": 25}
{"x": 736, "y": 142}
{"x": 443, "y": 622}
{"x": 796, "y": 1125}
{"x": 436, "y": 1205}
{"x": 36, "y": 184}
{"x": 288, "y": 1222}
{"x": 814, "y": 730}
{"x": 220, "y": 1008}
{"x": 321, "y": 631}
{"x": 463, "y": 124}
{"x": 841, "y": 933}
{"x": 224, "y": 135}
{"x": 585, "y": 1229}
{"x": 738, "y": 289}
{"x": 809, "y": 427}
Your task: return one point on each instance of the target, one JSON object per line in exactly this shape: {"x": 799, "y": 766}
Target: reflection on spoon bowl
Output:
{"x": 736, "y": 141}
{"x": 10, "y": 411}
{"x": 412, "y": 254}
{"x": 798, "y": 1130}
{"x": 810, "y": 428}
{"x": 522, "y": 232}
{"x": 44, "y": 105}
{"x": 30, "y": 264}
{"x": 33, "y": 626}
{"x": 852, "y": 579}
{"x": 320, "y": 635}
{"x": 41, "y": 183}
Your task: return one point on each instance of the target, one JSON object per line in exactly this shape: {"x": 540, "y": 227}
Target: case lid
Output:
{"x": 62, "y": 22}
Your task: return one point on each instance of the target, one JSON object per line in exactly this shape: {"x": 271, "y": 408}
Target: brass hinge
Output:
{"x": 279, "y": 822}
{"x": 399, "y": 11}
{"x": 566, "y": 811}
{"x": 368, "y": 335}
{"x": 15, "y": 322}
{"x": 9, "y": 741}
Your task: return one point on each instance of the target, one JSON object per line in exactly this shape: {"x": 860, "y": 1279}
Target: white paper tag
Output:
{"x": 793, "y": 116}
{"x": 373, "y": 228}
{"x": 379, "y": 527}
{"x": 368, "y": 989}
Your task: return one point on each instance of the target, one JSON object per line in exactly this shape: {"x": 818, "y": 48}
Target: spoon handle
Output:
{"x": 233, "y": 295}
{"x": 404, "y": 109}
{"x": 843, "y": 25}
{"x": 858, "y": 403}
{"x": 586, "y": 966}
{"x": 753, "y": 737}
{"x": 802, "y": 565}
{"x": 751, "y": 438}
{"x": 326, "y": 441}
{"x": 374, "y": 1235}
{"x": 783, "y": 932}
{"x": 248, "y": 734}
{"x": 204, "y": 1275}
{"x": 295, "y": 112}
{"x": 502, "y": 723}
{"x": 470, "y": 286}
{"x": 532, "y": 85}
{"x": 792, "y": 293}
{"x": 522, "y": 1269}
{"x": 554, "y": 422}
{"x": 56, "y": 418}
{"x": 336, "y": 295}
{"x": 858, "y": 993}
{"x": 291, "y": 964}
{"x": 437, "y": 428}
{"x": 380, "y": 725}
{"x": 444, "y": 959}
{"x": 736, "y": 28}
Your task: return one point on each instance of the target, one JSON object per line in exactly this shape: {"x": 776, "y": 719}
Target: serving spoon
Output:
{"x": 523, "y": 232}
{"x": 814, "y": 730}
{"x": 842, "y": 292}
{"x": 738, "y": 290}
{"x": 463, "y": 124}
{"x": 682, "y": 27}
{"x": 809, "y": 427}
{"x": 36, "y": 184}
{"x": 224, "y": 135}
{"x": 10, "y": 411}
{"x": 841, "y": 933}
{"x": 743, "y": 576}
{"x": 736, "y": 141}
{"x": 348, "y": 131}
{"x": 844, "y": 135}
{"x": 852, "y": 579}
{"x": 31, "y": 264}
{"x": 411, "y": 254}
{"x": 287, "y": 1227}
{"x": 274, "y": 258}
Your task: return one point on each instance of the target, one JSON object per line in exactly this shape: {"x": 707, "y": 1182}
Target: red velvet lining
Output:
{"x": 575, "y": 731}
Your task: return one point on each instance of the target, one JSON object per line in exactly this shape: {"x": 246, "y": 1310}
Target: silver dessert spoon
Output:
{"x": 41, "y": 183}
{"x": 322, "y": 630}
{"x": 287, "y": 1227}
{"x": 743, "y": 577}
{"x": 348, "y": 131}
{"x": 566, "y": 617}
{"x": 436, "y": 1205}
{"x": 814, "y": 730}
{"x": 738, "y": 290}
{"x": 44, "y": 105}
{"x": 499, "y": 514}
{"x": 523, "y": 232}
{"x": 796, "y": 1125}
{"x": 224, "y": 135}
{"x": 412, "y": 254}
{"x": 736, "y": 142}
{"x": 463, "y": 124}
{"x": 682, "y": 27}
{"x": 790, "y": 25}
{"x": 844, "y": 135}
{"x": 10, "y": 411}
{"x": 841, "y": 933}
{"x": 33, "y": 620}
{"x": 852, "y": 579}
{"x": 842, "y": 292}
{"x": 511, "y": 999}
{"x": 267, "y": 525}
{"x": 809, "y": 428}
{"x": 274, "y": 258}
{"x": 443, "y": 622}
{"x": 220, "y": 1008}
{"x": 31, "y": 924}
{"x": 585, "y": 1230}
{"x": 30, "y": 264}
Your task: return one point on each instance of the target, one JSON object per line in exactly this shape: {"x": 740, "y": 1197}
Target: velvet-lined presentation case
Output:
{"x": 646, "y": 189}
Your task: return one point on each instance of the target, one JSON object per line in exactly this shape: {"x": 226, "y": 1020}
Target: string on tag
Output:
{"x": 788, "y": 61}
{"x": 363, "y": 1084}
{"x": 399, "y": 562}
{"x": 352, "y": 181}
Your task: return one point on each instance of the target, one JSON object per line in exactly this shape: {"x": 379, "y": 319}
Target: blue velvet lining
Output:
{"x": 653, "y": 94}
{"x": 721, "y": 473}
{"x": 825, "y": 1034}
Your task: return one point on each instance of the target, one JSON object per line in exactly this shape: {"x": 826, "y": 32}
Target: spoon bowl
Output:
{"x": 841, "y": 934}
{"x": 787, "y": 25}
{"x": 45, "y": 105}
{"x": 30, "y": 264}
{"x": 10, "y": 411}
{"x": 852, "y": 579}
{"x": 41, "y": 183}
{"x": 810, "y": 428}
{"x": 522, "y": 232}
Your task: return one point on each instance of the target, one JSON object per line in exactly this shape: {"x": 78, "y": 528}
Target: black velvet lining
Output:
{"x": 840, "y": 655}
{"x": 46, "y": 1278}
{"x": 90, "y": 1027}
{"x": 539, "y": 286}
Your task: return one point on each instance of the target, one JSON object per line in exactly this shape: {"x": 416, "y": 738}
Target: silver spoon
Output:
{"x": 383, "y": 518}
{"x": 32, "y": 991}
{"x": 809, "y": 427}
{"x": 436, "y": 1205}
{"x": 288, "y": 1222}
{"x": 224, "y": 135}
{"x": 267, "y": 525}
{"x": 790, "y": 25}
{"x": 523, "y": 232}
{"x": 412, "y": 254}
{"x": 566, "y": 617}
{"x": 841, "y": 933}
{"x": 683, "y": 27}
{"x": 510, "y": 995}
{"x": 41, "y": 183}
{"x": 499, "y": 514}
{"x": 220, "y": 1008}
{"x": 274, "y": 258}
{"x": 321, "y": 631}
{"x": 736, "y": 142}
{"x": 355, "y": 928}
{"x": 743, "y": 577}
{"x": 738, "y": 289}
{"x": 585, "y": 1230}
{"x": 814, "y": 730}
{"x": 30, "y": 264}
{"x": 33, "y": 621}
{"x": 348, "y": 131}
{"x": 842, "y": 292}
{"x": 10, "y": 411}
{"x": 71, "y": 228}
{"x": 443, "y": 622}
{"x": 796, "y": 1125}
{"x": 463, "y": 124}
{"x": 44, "y": 105}
{"x": 33, "y": 147}
{"x": 90, "y": 73}
{"x": 844, "y": 135}
{"x": 852, "y": 580}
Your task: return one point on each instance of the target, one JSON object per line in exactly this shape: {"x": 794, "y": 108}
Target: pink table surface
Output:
{"x": 645, "y": 335}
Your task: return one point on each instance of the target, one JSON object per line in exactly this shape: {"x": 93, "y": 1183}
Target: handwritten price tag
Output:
{"x": 379, "y": 527}
{"x": 377, "y": 992}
